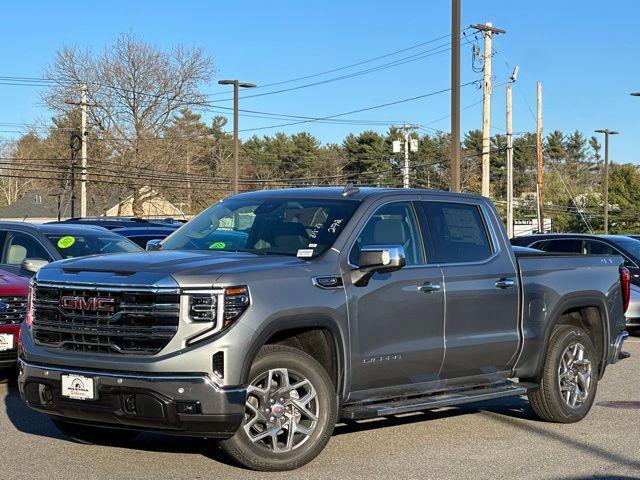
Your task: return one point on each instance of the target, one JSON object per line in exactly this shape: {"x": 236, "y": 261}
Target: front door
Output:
{"x": 481, "y": 289}
{"x": 397, "y": 319}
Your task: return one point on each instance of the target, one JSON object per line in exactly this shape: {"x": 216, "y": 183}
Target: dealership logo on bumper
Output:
{"x": 91, "y": 304}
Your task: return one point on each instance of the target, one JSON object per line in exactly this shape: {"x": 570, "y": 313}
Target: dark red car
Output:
{"x": 13, "y": 308}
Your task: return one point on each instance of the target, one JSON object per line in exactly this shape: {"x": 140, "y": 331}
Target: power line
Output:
{"x": 365, "y": 109}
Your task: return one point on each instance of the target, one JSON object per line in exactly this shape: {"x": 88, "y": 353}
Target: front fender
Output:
{"x": 294, "y": 322}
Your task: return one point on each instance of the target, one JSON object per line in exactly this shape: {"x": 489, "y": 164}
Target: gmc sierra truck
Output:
{"x": 274, "y": 314}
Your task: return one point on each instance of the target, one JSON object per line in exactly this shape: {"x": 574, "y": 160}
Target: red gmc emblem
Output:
{"x": 91, "y": 304}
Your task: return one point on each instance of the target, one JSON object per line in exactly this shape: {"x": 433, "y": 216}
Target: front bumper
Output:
{"x": 138, "y": 401}
{"x": 8, "y": 358}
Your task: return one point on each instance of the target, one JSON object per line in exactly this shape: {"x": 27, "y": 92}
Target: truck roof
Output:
{"x": 355, "y": 193}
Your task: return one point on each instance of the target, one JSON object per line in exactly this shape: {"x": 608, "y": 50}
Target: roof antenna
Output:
{"x": 349, "y": 190}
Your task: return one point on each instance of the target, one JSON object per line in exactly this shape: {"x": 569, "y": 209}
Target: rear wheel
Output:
{"x": 569, "y": 379}
{"x": 291, "y": 411}
{"x": 90, "y": 435}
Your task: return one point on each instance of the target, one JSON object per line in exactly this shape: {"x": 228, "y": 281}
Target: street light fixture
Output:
{"x": 635, "y": 94}
{"x": 236, "y": 87}
{"x": 606, "y": 132}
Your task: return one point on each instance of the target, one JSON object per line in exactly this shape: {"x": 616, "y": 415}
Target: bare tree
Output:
{"x": 135, "y": 91}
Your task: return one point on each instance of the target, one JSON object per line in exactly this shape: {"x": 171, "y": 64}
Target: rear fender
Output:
{"x": 538, "y": 334}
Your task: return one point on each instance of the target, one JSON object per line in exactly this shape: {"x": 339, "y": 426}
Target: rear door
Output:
{"x": 481, "y": 289}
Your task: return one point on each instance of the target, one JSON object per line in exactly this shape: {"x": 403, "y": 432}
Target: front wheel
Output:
{"x": 290, "y": 412}
{"x": 569, "y": 379}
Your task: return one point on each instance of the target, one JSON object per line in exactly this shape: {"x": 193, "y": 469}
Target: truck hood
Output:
{"x": 151, "y": 268}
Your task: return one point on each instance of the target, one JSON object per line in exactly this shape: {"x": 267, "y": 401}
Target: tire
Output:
{"x": 571, "y": 402}
{"x": 264, "y": 441}
{"x": 89, "y": 435}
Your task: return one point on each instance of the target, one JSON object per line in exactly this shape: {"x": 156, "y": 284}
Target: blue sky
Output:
{"x": 585, "y": 54}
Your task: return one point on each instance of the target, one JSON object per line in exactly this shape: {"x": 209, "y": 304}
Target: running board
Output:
{"x": 372, "y": 410}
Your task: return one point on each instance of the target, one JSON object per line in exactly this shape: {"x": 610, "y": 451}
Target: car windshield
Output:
{"x": 630, "y": 245}
{"x": 83, "y": 244}
{"x": 266, "y": 226}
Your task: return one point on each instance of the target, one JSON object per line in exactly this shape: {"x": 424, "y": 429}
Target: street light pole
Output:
{"x": 455, "y": 96}
{"x": 606, "y": 132}
{"x": 236, "y": 87}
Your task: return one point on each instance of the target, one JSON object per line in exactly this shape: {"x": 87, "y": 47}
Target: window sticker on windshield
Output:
{"x": 66, "y": 242}
{"x": 217, "y": 245}
{"x": 313, "y": 245}
{"x": 305, "y": 252}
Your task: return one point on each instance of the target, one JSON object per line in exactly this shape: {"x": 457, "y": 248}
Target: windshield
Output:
{"x": 631, "y": 246}
{"x": 80, "y": 245}
{"x": 283, "y": 226}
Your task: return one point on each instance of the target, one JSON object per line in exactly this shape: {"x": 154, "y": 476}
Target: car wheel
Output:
{"x": 291, "y": 410}
{"x": 569, "y": 379}
{"x": 90, "y": 435}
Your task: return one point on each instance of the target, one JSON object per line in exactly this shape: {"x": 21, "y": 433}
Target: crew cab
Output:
{"x": 273, "y": 314}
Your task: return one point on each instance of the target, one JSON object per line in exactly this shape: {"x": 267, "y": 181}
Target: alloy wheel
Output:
{"x": 282, "y": 410}
{"x": 574, "y": 375}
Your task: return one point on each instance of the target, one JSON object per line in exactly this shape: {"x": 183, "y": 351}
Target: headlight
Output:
{"x": 220, "y": 307}
{"x": 236, "y": 301}
{"x": 203, "y": 307}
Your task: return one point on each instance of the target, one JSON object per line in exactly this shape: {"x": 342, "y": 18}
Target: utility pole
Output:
{"x": 83, "y": 183}
{"x": 605, "y": 186}
{"x": 236, "y": 87}
{"x": 455, "y": 96}
{"x": 75, "y": 145}
{"x": 540, "y": 155}
{"x": 410, "y": 145}
{"x": 405, "y": 180}
{"x": 488, "y": 32}
{"x": 509, "y": 166}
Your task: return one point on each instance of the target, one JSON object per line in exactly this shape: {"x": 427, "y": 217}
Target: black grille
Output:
{"x": 141, "y": 322}
{"x": 12, "y": 310}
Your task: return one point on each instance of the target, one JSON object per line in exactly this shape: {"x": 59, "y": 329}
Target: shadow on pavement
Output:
{"x": 514, "y": 412}
{"x": 538, "y": 429}
{"x": 35, "y": 423}
{"x": 511, "y": 407}
{"x": 21, "y": 416}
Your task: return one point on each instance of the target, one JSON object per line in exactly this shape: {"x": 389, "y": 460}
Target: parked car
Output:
{"x": 121, "y": 222}
{"x": 26, "y": 247}
{"x": 626, "y": 246}
{"x": 141, "y": 236}
{"x": 138, "y": 230}
{"x": 324, "y": 304}
{"x": 13, "y": 308}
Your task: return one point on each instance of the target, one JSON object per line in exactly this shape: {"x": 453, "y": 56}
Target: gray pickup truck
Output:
{"x": 274, "y": 314}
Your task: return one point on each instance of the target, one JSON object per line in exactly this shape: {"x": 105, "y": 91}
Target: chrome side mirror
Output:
{"x": 377, "y": 258}
{"x": 153, "y": 245}
{"x": 33, "y": 264}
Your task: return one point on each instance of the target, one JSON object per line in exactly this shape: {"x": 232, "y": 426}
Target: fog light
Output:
{"x": 130, "y": 404}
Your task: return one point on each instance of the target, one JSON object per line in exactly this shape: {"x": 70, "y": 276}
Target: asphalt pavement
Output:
{"x": 499, "y": 439}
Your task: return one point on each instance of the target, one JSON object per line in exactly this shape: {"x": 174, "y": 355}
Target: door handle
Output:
{"x": 429, "y": 287}
{"x": 505, "y": 283}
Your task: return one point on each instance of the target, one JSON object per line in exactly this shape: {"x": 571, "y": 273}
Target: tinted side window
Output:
{"x": 19, "y": 246}
{"x": 392, "y": 224}
{"x": 599, "y": 248}
{"x": 458, "y": 232}
{"x": 564, "y": 245}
